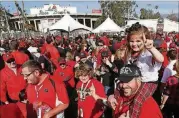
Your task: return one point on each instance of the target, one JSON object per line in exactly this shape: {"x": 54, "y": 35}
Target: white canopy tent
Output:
{"x": 67, "y": 23}
{"x": 152, "y": 24}
{"x": 170, "y": 26}
{"x": 108, "y": 26}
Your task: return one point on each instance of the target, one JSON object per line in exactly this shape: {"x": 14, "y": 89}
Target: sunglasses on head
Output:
{"x": 10, "y": 60}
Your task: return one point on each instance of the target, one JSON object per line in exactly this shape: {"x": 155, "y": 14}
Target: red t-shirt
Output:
{"x": 46, "y": 93}
{"x": 150, "y": 109}
{"x": 65, "y": 74}
{"x": 11, "y": 83}
{"x": 89, "y": 106}
{"x": 71, "y": 63}
{"x": 20, "y": 57}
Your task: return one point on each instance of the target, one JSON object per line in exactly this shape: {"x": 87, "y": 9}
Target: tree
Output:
{"x": 149, "y": 14}
{"x": 116, "y": 10}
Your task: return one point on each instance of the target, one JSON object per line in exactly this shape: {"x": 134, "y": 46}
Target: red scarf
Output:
{"x": 123, "y": 105}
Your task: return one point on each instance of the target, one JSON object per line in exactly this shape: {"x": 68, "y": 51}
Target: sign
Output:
{"x": 96, "y": 11}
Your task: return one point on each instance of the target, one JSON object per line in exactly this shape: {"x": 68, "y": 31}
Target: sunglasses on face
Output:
{"x": 104, "y": 57}
{"x": 62, "y": 64}
{"x": 10, "y": 60}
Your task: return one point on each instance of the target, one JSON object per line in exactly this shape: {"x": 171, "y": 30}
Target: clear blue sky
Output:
{"x": 164, "y": 7}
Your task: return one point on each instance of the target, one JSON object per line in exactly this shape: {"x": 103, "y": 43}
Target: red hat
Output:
{"x": 172, "y": 45}
{"x": 58, "y": 38}
{"x": 22, "y": 44}
{"x": 167, "y": 39}
{"x": 7, "y": 56}
{"x": 62, "y": 61}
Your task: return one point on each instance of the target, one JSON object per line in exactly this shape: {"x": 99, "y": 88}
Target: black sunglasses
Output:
{"x": 10, "y": 60}
{"x": 62, "y": 64}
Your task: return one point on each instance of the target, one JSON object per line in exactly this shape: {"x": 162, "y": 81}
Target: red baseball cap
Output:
{"x": 7, "y": 57}
{"x": 58, "y": 38}
{"x": 172, "y": 45}
{"x": 62, "y": 61}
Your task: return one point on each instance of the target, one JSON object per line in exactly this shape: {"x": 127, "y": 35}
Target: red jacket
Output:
{"x": 20, "y": 57}
{"x": 66, "y": 75}
{"x": 11, "y": 83}
{"x": 53, "y": 53}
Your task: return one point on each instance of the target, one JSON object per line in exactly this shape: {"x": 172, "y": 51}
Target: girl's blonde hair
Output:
{"x": 118, "y": 53}
{"x": 135, "y": 29}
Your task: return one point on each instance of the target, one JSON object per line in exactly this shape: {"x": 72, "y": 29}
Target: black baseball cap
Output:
{"x": 104, "y": 54}
{"x": 128, "y": 72}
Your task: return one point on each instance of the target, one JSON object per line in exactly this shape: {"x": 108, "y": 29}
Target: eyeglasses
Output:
{"x": 27, "y": 75}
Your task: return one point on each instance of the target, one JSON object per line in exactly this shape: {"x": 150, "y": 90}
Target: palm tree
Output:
{"x": 156, "y": 7}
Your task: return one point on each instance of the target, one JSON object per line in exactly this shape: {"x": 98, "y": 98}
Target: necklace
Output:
{"x": 82, "y": 91}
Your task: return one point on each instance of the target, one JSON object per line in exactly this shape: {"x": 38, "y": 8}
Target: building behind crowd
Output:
{"x": 43, "y": 17}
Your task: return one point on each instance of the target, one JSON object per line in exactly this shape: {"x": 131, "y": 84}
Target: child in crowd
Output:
{"x": 140, "y": 51}
{"x": 88, "y": 107}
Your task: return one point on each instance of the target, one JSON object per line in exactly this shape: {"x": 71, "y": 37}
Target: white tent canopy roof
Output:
{"x": 152, "y": 23}
{"x": 108, "y": 26}
{"x": 67, "y": 23}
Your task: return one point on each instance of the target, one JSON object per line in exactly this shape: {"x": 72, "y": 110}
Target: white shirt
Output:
{"x": 168, "y": 71}
{"x": 33, "y": 50}
{"x": 149, "y": 70}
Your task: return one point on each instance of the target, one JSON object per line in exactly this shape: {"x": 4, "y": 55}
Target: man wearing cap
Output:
{"x": 83, "y": 59}
{"x": 20, "y": 57}
{"x": 105, "y": 72}
{"x": 11, "y": 80}
{"x": 101, "y": 47}
{"x": 65, "y": 73}
{"x": 128, "y": 87}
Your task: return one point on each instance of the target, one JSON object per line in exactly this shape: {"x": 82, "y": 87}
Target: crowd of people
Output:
{"x": 134, "y": 75}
